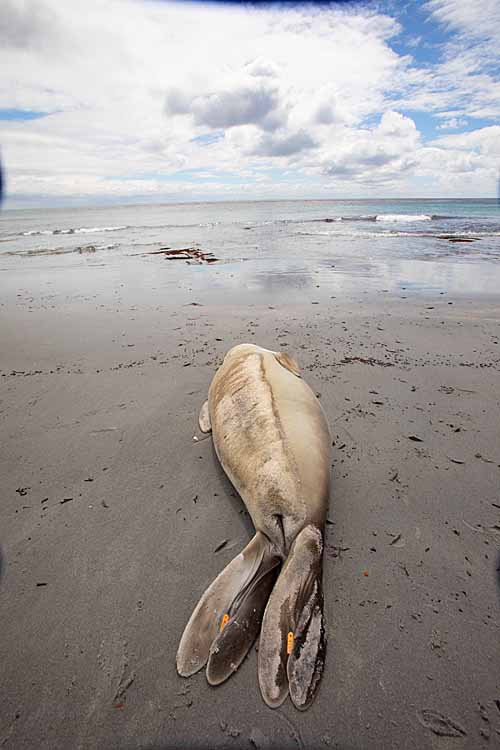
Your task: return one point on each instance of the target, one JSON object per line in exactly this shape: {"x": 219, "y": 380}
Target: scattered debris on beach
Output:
{"x": 81, "y": 249}
{"x": 125, "y": 683}
{"x": 365, "y": 361}
{"x": 189, "y": 254}
{"x": 440, "y": 724}
{"x": 221, "y": 545}
{"x": 86, "y": 249}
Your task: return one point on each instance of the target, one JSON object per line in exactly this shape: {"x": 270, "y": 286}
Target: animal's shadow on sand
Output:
{"x": 497, "y": 573}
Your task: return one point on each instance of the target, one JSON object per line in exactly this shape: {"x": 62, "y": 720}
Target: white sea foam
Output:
{"x": 79, "y": 230}
{"x": 403, "y": 217}
{"x": 89, "y": 230}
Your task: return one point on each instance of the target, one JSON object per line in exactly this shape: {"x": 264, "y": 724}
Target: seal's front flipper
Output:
{"x": 292, "y": 641}
{"x": 204, "y": 418}
{"x": 234, "y": 602}
{"x": 288, "y": 363}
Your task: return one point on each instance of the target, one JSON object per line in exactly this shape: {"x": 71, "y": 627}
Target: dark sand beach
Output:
{"x": 112, "y": 514}
{"x": 317, "y": 178}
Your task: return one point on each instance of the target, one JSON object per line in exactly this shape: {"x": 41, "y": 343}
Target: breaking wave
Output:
{"x": 384, "y": 233}
{"x": 370, "y": 217}
{"x": 78, "y": 230}
{"x": 404, "y": 217}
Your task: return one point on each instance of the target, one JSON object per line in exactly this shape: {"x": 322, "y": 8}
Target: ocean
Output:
{"x": 301, "y": 249}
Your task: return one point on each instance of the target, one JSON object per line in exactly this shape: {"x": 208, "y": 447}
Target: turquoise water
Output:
{"x": 273, "y": 246}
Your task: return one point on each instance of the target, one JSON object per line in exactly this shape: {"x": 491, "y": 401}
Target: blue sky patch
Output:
{"x": 21, "y": 114}
{"x": 422, "y": 37}
{"x": 208, "y": 138}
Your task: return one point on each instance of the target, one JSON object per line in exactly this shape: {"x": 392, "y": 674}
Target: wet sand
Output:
{"x": 111, "y": 515}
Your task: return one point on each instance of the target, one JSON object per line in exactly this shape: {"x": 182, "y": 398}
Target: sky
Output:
{"x": 149, "y": 101}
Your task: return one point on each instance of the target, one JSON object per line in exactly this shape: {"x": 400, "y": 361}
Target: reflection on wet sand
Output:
{"x": 269, "y": 280}
{"x": 280, "y": 267}
{"x": 348, "y": 276}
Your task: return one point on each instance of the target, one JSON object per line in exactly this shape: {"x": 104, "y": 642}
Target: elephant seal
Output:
{"x": 272, "y": 438}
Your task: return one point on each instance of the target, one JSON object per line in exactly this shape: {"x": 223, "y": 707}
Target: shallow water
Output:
{"x": 296, "y": 249}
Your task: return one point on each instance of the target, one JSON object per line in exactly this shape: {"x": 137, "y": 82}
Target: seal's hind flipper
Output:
{"x": 242, "y": 628}
{"x": 204, "y": 418}
{"x": 234, "y": 601}
{"x": 292, "y": 641}
{"x": 307, "y": 659}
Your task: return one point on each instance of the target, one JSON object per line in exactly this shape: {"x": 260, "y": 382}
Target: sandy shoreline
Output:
{"x": 110, "y": 516}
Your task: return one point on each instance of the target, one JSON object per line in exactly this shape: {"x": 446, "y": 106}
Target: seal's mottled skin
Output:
{"x": 271, "y": 436}
{"x": 272, "y": 439}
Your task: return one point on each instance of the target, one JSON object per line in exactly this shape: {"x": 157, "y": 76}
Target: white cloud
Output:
{"x": 262, "y": 67}
{"x": 484, "y": 141}
{"x": 382, "y": 153}
{"x": 286, "y": 144}
{"x": 452, "y": 124}
{"x": 480, "y": 18}
{"x": 27, "y": 23}
{"x": 253, "y": 102}
{"x": 139, "y": 91}
{"x": 467, "y": 78}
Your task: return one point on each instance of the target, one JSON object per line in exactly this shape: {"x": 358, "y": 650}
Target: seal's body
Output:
{"x": 272, "y": 439}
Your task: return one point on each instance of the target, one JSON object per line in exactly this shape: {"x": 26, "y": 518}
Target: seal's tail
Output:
{"x": 293, "y": 642}
{"x": 227, "y": 619}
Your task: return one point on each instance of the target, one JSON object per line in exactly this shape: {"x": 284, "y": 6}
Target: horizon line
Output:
{"x": 112, "y": 204}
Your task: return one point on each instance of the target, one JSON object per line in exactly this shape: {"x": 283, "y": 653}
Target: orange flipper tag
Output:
{"x": 289, "y": 643}
{"x": 224, "y": 622}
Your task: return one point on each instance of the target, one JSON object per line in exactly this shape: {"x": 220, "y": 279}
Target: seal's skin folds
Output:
{"x": 272, "y": 438}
